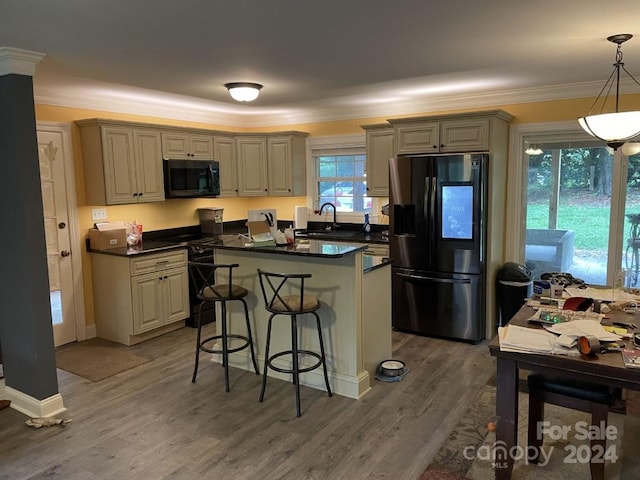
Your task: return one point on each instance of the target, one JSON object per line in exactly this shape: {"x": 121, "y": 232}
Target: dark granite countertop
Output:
{"x": 311, "y": 248}
{"x": 345, "y": 236}
{"x": 371, "y": 262}
{"x": 308, "y": 248}
{"x": 146, "y": 247}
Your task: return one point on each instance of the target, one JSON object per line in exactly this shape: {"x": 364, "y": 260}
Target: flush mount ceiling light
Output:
{"x": 613, "y": 128}
{"x": 243, "y": 91}
{"x": 533, "y": 150}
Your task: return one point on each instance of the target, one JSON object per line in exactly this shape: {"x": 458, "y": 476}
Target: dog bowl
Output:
{"x": 392, "y": 368}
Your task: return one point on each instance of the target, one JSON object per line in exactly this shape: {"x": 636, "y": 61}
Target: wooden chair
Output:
{"x": 585, "y": 397}
{"x": 203, "y": 275}
{"x": 273, "y": 286}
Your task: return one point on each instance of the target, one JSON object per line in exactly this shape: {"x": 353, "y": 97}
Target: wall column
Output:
{"x": 26, "y": 332}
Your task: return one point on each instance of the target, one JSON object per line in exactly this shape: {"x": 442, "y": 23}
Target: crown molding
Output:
{"x": 213, "y": 113}
{"x": 107, "y": 103}
{"x": 17, "y": 61}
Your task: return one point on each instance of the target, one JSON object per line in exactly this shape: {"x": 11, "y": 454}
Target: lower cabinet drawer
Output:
{"x": 377, "y": 250}
{"x": 153, "y": 262}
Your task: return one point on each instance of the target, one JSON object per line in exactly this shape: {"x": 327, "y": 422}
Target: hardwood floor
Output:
{"x": 151, "y": 422}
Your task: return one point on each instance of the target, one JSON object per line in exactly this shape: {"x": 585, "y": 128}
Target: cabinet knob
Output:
{"x": 135, "y": 194}
{"x": 65, "y": 253}
{"x": 435, "y": 146}
{"x": 441, "y": 145}
{"x": 140, "y": 194}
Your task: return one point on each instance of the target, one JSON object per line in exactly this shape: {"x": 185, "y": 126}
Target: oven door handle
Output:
{"x": 422, "y": 278}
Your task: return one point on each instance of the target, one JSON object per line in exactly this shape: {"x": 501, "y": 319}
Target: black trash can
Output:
{"x": 513, "y": 288}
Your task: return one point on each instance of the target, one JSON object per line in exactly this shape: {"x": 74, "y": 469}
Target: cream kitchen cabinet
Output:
{"x": 122, "y": 163}
{"x": 286, "y": 165}
{"x": 225, "y": 153}
{"x": 252, "y": 166}
{"x": 139, "y": 297}
{"x": 187, "y": 145}
{"x": 465, "y": 132}
{"x": 380, "y": 148}
{"x": 273, "y": 164}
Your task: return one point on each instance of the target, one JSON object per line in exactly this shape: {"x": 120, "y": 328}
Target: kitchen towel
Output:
{"x": 300, "y": 217}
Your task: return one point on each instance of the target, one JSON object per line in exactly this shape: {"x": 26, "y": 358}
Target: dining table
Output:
{"x": 602, "y": 368}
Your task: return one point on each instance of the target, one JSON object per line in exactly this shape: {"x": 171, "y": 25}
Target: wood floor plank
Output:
{"x": 153, "y": 422}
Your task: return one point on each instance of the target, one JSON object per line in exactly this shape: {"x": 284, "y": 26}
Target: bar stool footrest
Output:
{"x": 204, "y": 348}
{"x": 290, "y": 352}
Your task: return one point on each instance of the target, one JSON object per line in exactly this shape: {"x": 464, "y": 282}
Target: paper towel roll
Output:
{"x": 300, "y": 217}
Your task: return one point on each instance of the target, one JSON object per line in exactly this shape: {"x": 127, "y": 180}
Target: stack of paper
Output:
{"x": 579, "y": 328}
{"x": 603, "y": 294}
{"x": 526, "y": 340}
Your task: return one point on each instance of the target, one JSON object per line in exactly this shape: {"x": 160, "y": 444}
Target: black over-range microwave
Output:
{"x": 191, "y": 178}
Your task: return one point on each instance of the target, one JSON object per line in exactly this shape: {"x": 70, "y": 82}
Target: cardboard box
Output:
{"x": 260, "y": 234}
{"x": 107, "y": 239}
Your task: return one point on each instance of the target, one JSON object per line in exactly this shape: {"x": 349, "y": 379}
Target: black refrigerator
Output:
{"x": 437, "y": 240}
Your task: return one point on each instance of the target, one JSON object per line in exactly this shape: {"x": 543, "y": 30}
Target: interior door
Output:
{"x": 56, "y": 221}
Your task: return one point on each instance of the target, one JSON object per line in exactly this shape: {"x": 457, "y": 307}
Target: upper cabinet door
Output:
{"x": 418, "y": 138}
{"x": 191, "y": 146}
{"x": 119, "y": 166}
{"x": 464, "y": 135}
{"x": 380, "y": 148}
{"x": 175, "y": 145}
{"x": 280, "y": 166}
{"x": 224, "y": 152}
{"x": 201, "y": 147}
{"x": 468, "y": 133}
{"x": 149, "y": 176}
{"x": 252, "y": 166}
{"x": 122, "y": 163}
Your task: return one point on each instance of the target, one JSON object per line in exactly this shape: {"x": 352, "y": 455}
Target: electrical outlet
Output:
{"x": 98, "y": 214}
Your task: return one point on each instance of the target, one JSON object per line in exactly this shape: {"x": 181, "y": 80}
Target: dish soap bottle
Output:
{"x": 367, "y": 226}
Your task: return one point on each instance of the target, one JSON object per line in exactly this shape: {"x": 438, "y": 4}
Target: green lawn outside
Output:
{"x": 586, "y": 213}
{"x": 590, "y": 223}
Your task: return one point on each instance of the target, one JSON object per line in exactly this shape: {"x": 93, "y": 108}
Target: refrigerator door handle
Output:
{"x": 433, "y": 279}
{"x": 433, "y": 195}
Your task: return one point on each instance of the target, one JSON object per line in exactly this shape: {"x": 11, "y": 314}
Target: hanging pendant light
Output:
{"x": 243, "y": 91}
{"x": 631, "y": 148}
{"x": 533, "y": 150}
{"x": 613, "y": 128}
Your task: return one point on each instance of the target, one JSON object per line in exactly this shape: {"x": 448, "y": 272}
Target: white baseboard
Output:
{"x": 30, "y": 406}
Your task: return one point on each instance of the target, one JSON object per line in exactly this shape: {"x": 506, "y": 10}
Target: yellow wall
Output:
{"x": 177, "y": 213}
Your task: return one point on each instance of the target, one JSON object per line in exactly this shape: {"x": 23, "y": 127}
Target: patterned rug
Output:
{"x": 466, "y": 453}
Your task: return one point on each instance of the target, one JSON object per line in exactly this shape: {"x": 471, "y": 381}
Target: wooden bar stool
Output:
{"x": 203, "y": 276}
{"x": 274, "y": 286}
{"x": 585, "y": 397}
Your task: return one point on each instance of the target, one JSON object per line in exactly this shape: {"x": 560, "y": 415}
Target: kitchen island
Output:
{"x": 355, "y": 313}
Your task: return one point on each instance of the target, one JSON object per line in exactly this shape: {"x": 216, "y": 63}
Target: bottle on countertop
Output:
{"x": 367, "y": 226}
